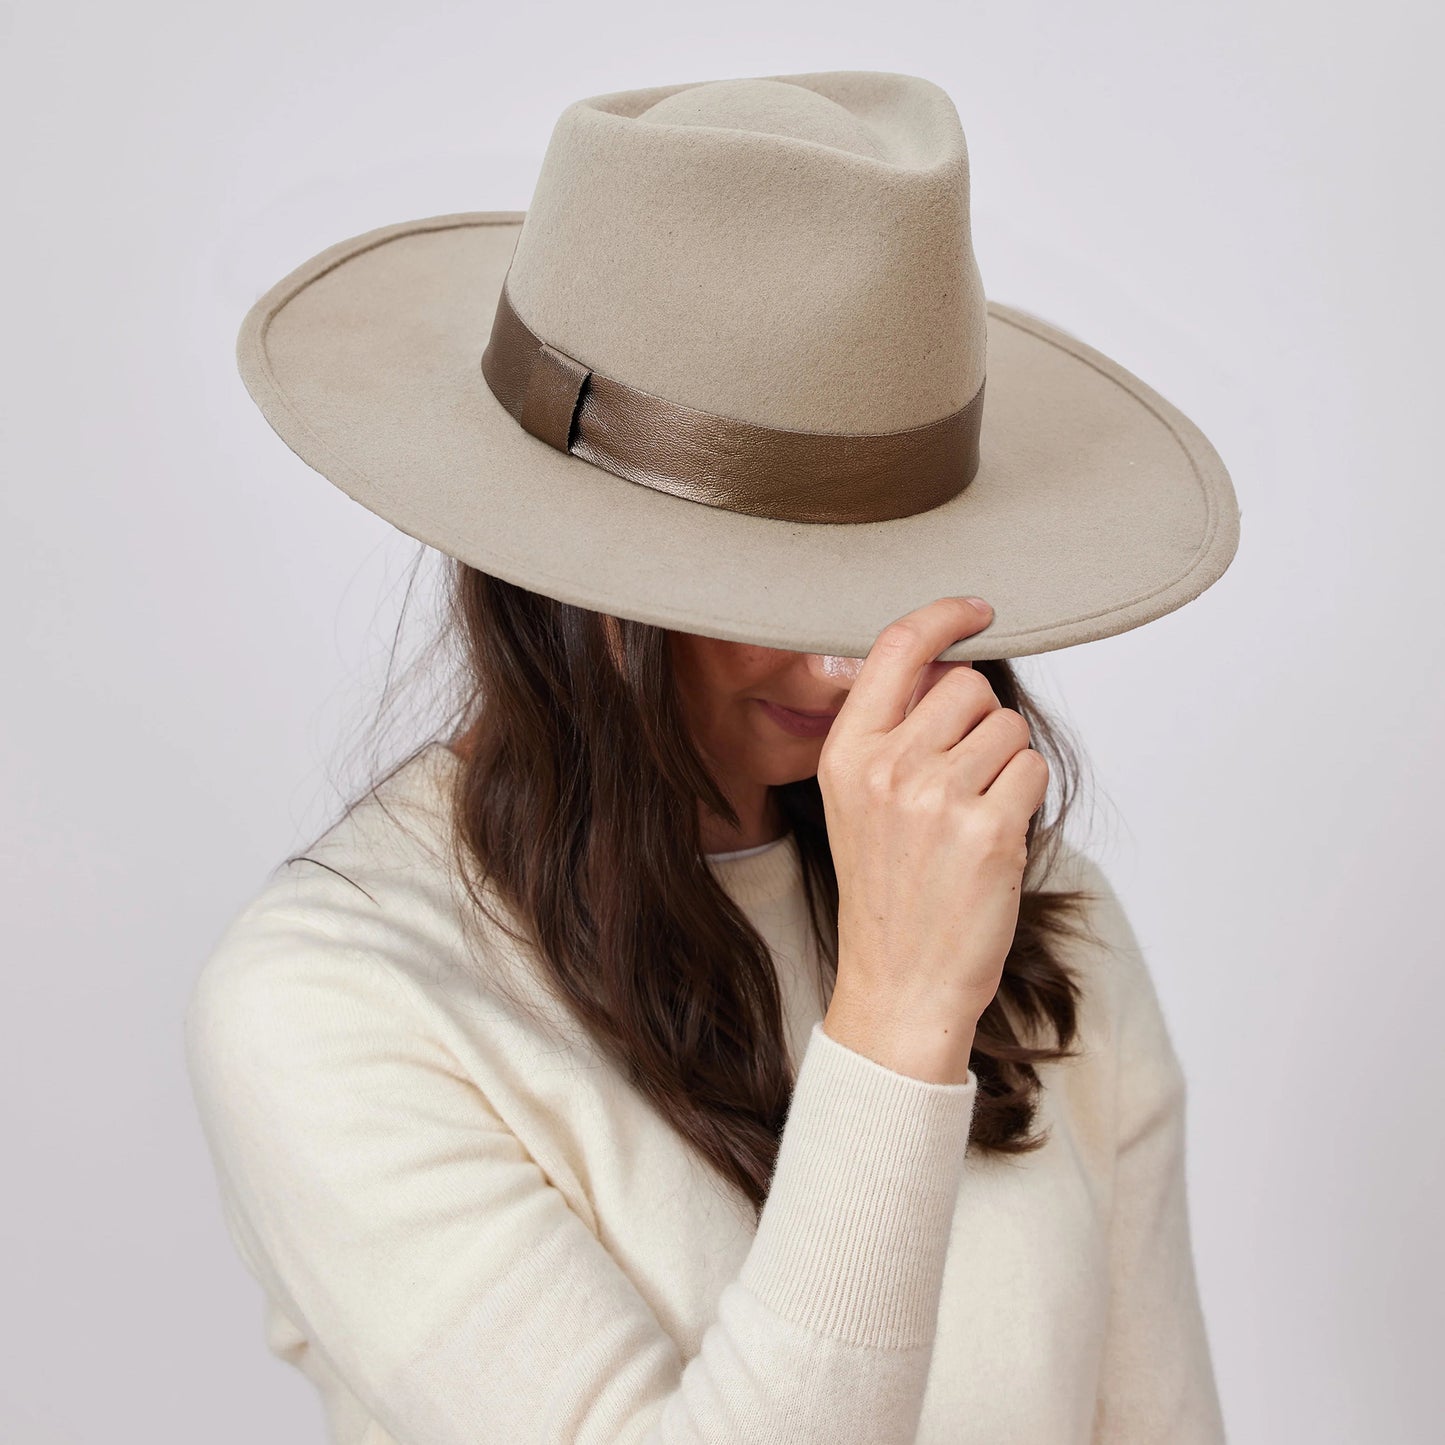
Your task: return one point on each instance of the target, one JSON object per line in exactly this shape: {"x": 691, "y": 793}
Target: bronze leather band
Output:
{"x": 790, "y": 476}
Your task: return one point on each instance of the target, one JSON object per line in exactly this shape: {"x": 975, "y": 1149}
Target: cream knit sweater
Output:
{"x": 470, "y": 1230}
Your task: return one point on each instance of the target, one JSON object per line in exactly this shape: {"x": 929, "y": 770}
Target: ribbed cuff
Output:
{"x": 852, "y": 1240}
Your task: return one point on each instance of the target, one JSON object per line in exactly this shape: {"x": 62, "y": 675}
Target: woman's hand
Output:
{"x": 928, "y": 786}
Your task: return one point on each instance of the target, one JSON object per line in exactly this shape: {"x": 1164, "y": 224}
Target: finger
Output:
{"x": 1022, "y": 783}
{"x": 933, "y": 672}
{"x": 984, "y": 751}
{"x": 879, "y": 698}
{"x": 953, "y": 706}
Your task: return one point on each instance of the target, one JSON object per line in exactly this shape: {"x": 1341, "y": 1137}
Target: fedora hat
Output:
{"x": 733, "y": 372}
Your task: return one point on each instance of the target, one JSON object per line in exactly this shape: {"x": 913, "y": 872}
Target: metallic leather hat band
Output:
{"x": 790, "y": 476}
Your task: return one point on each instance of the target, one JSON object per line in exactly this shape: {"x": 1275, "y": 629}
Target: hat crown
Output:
{"x": 787, "y": 251}
{"x": 767, "y": 107}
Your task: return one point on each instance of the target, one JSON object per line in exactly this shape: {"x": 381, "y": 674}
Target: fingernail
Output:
{"x": 979, "y": 603}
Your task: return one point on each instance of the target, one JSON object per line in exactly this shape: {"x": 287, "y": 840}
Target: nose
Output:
{"x": 841, "y": 671}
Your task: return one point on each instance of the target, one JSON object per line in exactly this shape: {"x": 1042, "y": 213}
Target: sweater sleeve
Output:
{"x": 382, "y": 1201}
{"x": 1157, "y": 1379}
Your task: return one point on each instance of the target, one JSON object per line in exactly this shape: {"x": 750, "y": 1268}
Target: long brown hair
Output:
{"x": 576, "y": 807}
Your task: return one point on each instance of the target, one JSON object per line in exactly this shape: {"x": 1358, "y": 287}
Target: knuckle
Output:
{"x": 1037, "y": 761}
{"x": 1016, "y": 724}
{"x": 973, "y": 681}
{"x": 841, "y": 768}
{"x": 898, "y": 638}
{"x": 838, "y": 762}
{"x": 879, "y": 777}
{"x": 967, "y": 677}
{"x": 990, "y": 831}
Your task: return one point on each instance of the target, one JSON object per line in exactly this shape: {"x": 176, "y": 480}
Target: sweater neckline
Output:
{"x": 762, "y": 876}
{"x": 729, "y": 855}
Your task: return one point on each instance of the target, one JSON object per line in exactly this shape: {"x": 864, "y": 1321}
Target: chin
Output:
{"x": 791, "y": 764}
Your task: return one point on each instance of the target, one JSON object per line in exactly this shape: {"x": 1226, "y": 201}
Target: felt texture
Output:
{"x": 787, "y": 251}
{"x": 781, "y": 281}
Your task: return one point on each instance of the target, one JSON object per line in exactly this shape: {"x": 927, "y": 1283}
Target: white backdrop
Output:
{"x": 1237, "y": 201}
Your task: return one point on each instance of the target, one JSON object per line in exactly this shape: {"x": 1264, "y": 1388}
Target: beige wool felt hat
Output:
{"x": 734, "y": 373}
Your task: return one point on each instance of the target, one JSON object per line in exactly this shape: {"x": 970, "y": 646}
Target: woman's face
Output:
{"x": 758, "y": 713}
{"x": 761, "y": 714}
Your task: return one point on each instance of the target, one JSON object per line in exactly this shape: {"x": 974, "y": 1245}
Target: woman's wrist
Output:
{"x": 936, "y": 1050}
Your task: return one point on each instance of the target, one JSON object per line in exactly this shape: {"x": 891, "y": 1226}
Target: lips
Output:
{"x": 797, "y": 723}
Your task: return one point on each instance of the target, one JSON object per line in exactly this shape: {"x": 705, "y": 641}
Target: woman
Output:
{"x": 710, "y": 1039}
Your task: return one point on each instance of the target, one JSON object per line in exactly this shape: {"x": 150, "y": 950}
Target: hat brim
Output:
{"x": 1097, "y": 506}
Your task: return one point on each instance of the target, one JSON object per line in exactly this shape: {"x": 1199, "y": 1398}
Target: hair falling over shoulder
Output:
{"x": 576, "y": 806}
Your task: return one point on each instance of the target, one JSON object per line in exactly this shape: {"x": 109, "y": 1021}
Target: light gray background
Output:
{"x": 1236, "y": 200}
